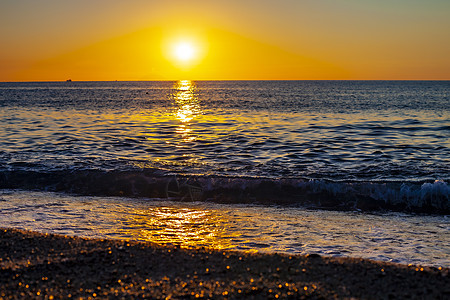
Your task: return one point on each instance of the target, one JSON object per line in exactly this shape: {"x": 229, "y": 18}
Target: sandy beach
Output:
{"x": 46, "y": 266}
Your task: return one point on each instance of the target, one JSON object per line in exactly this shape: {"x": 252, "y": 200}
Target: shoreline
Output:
{"x": 49, "y": 266}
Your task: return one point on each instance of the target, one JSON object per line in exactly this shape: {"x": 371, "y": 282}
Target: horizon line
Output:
{"x": 172, "y": 80}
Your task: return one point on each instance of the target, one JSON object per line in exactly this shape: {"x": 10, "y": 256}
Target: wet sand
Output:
{"x": 46, "y": 266}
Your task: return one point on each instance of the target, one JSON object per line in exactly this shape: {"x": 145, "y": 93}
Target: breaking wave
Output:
{"x": 423, "y": 197}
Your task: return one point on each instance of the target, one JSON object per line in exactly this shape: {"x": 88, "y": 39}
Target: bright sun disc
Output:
{"x": 184, "y": 51}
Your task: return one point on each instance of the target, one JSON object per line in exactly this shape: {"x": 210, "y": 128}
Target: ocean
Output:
{"x": 341, "y": 168}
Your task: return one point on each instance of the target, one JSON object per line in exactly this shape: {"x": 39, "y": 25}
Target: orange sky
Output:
{"x": 287, "y": 39}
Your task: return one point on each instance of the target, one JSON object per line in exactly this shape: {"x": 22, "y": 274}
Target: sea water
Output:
{"x": 346, "y": 168}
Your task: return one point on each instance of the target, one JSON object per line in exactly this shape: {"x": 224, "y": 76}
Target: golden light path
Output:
{"x": 187, "y": 108}
{"x": 184, "y": 226}
{"x": 186, "y": 100}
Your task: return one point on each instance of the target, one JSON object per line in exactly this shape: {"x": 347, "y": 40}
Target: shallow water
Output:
{"x": 391, "y": 237}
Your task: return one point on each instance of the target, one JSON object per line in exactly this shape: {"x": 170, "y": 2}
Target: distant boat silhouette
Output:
{"x": 69, "y": 80}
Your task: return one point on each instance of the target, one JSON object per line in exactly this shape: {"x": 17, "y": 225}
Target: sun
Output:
{"x": 184, "y": 51}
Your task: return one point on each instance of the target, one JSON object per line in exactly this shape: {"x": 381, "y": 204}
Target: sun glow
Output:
{"x": 184, "y": 51}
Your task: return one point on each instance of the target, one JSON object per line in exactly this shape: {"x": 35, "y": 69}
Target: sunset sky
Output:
{"x": 224, "y": 40}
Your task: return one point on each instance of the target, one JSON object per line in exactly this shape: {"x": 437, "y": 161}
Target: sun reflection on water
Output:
{"x": 251, "y": 228}
{"x": 186, "y": 99}
{"x": 187, "y": 108}
{"x": 185, "y": 227}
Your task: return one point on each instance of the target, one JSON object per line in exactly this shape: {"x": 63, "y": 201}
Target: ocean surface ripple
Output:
{"x": 375, "y": 132}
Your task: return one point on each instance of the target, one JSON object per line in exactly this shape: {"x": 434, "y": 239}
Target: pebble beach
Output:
{"x": 47, "y": 266}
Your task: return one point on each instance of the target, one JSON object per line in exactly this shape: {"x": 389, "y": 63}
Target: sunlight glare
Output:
{"x": 184, "y": 51}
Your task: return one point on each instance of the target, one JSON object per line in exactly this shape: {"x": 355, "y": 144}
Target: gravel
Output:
{"x": 48, "y": 266}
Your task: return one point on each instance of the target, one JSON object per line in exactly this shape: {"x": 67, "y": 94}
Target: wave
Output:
{"x": 424, "y": 197}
